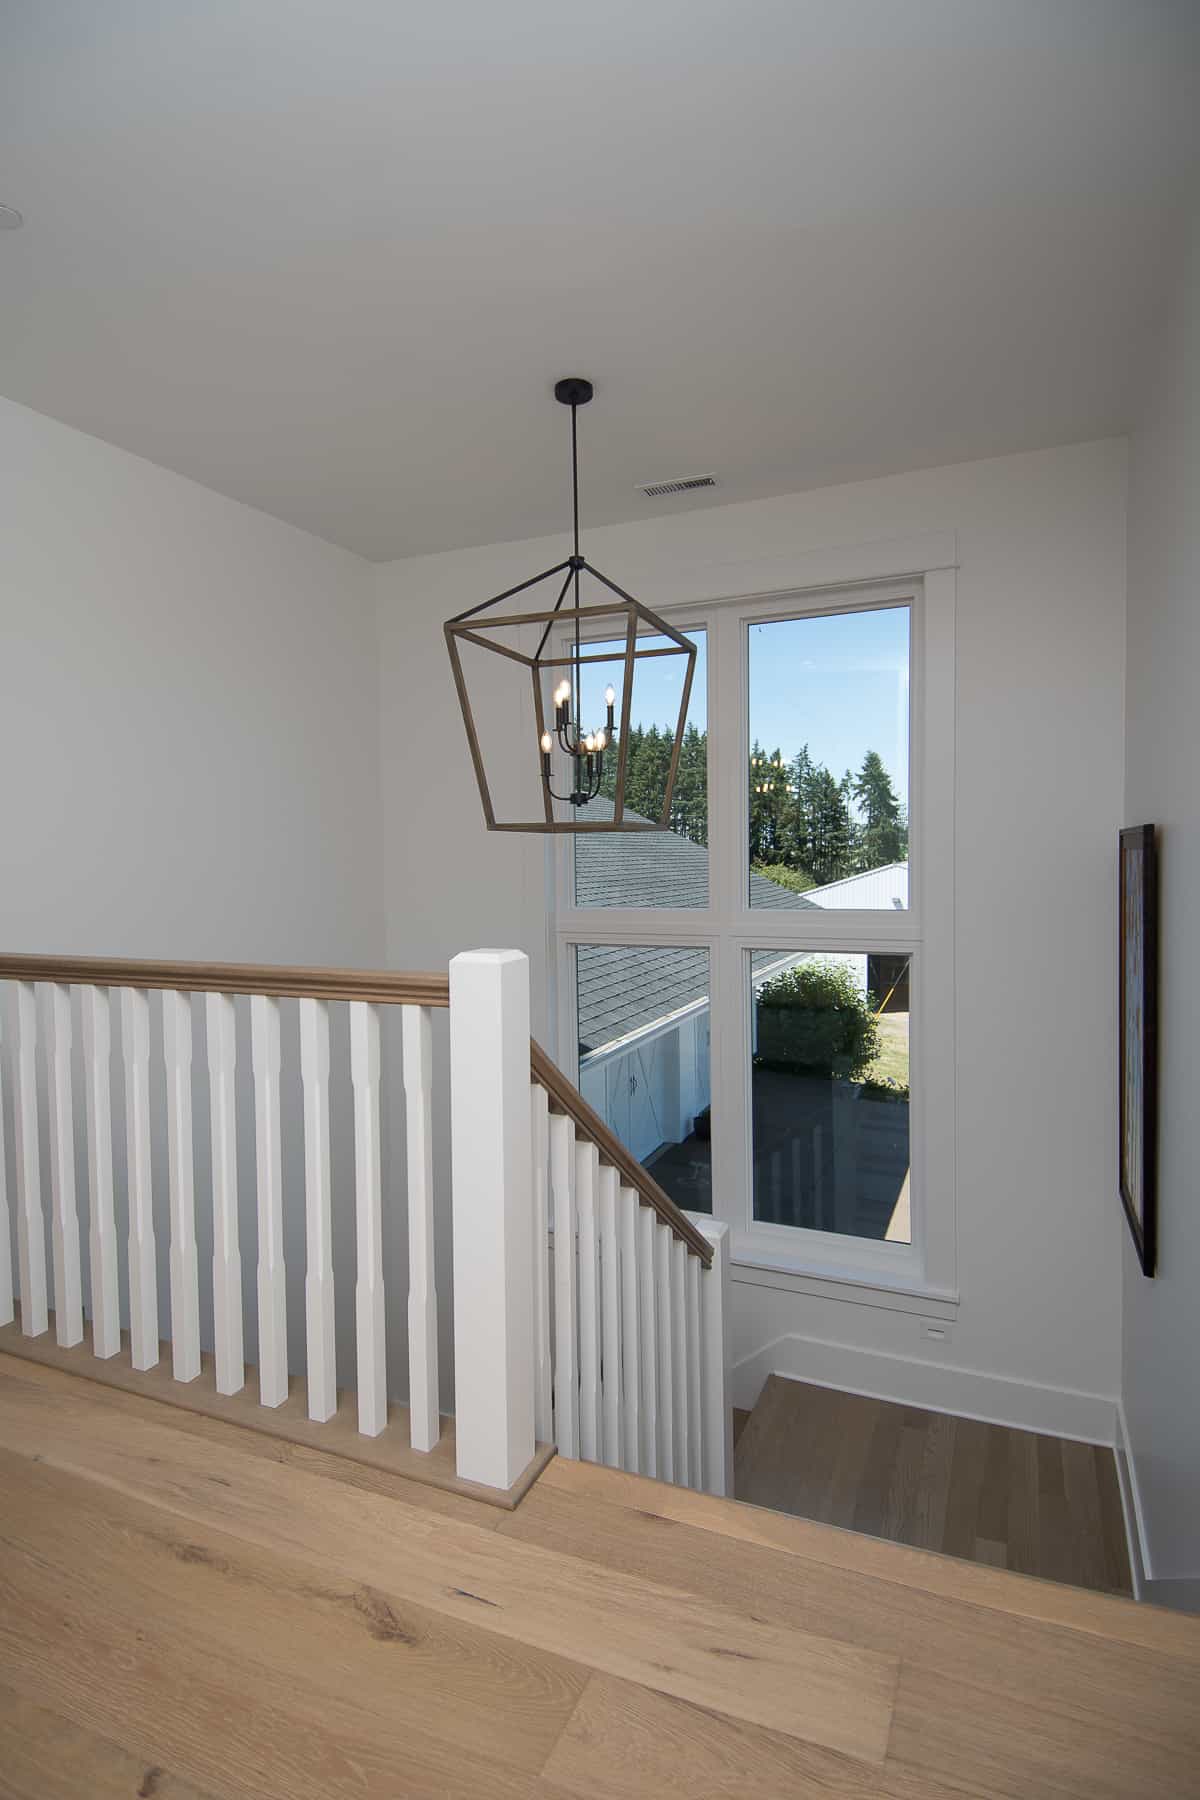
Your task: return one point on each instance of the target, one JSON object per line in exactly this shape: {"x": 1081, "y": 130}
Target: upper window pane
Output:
{"x": 828, "y": 773}
{"x": 649, "y": 868}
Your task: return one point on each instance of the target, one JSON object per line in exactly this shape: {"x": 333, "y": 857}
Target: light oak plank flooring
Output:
{"x": 184, "y": 1615}
{"x": 390, "y": 1452}
{"x": 1012, "y": 1499}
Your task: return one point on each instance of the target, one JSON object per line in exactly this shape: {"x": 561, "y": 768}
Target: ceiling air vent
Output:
{"x": 654, "y": 490}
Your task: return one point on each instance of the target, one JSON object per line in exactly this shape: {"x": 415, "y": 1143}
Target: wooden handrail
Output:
{"x": 567, "y": 1099}
{"x": 380, "y": 987}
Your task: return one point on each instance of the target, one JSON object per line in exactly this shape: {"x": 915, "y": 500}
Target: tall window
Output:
{"x": 744, "y": 993}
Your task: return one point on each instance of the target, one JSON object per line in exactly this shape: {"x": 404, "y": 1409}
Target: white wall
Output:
{"x": 1039, "y": 759}
{"x": 1161, "y": 1364}
{"x": 189, "y": 752}
{"x": 188, "y": 718}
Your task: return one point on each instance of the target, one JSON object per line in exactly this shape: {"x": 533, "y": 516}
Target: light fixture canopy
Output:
{"x": 571, "y": 754}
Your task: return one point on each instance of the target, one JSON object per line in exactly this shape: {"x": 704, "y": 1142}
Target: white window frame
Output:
{"x": 729, "y": 929}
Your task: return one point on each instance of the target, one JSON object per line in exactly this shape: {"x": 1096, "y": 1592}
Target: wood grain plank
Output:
{"x": 1012, "y": 1747}
{"x": 1023, "y": 1531}
{"x": 787, "y": 1679}
{"x": 1115, "y": 1620}
{"x": 933, "y": 1491}
{"x": 1083, "y": 1497}
{"x": 966, "y": 1485}
{"x": 871, "y": 1504}
{"x": 225, "y": 1719}
{"x": 44, "y": 1755}
{"x": 1079, "y": 1676}
{"x": 392, "y": 1450}
{"x": 850, "y": 1459}
{"x": 263, "y": 1445}
{"x": 991, "y": 1518}
{"x": 1112, "y": 1520}
{"x": 85, "y": 1551}
{"x": 623, "y": 1740}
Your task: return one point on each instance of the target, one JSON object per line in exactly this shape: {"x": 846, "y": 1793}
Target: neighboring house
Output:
{"x": 644, "y": 1060}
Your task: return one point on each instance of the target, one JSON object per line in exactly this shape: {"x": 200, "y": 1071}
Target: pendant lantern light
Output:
{"x": 570, "y": 752}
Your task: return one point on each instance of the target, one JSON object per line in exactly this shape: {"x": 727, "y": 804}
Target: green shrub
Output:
{"x": 783, "y": 875}
{"x": 813, "y": 1020}
{"x": 884, "y": 1088}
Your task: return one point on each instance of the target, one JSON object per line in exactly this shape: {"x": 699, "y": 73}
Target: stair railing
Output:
{"x": 590, "y": 1312}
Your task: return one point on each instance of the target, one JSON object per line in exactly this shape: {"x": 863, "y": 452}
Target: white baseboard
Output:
{"x": 997, "y": 1399}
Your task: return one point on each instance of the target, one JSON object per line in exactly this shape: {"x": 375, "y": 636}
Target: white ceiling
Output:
{"x": 330, "y": 258}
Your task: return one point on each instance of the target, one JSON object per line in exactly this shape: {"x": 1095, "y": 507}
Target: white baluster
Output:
{"x": 610, "y": 1316}
{"x": 64, "y": 1218}
{"x": 230, "y": 1356}
{"x": 587, "y": 1172}
{"x": 368, "y": 1190}
{"x": 666, "y": 1353}
{"x": 648, "y": 1310}
{"x": 715, "y": 1356}
{"x": 631, "y": 1362}
{"x": 6, "y": 1274}
{"x": 695, "y": 1462}
{"x": 539, "y": 1107}
{"x": 679, "y": 1357}
{"x": 143, "y": 1278}
{"x": 185, "y": 1273}
{"x": 566, "y": 1325}
{"x": 424, "y": 1416}
{"x": 318, "y": 1277}
{"x": 31, "y": 1225}
{"x": 102, "y": 1237}
{"x": 268, "y": 1146}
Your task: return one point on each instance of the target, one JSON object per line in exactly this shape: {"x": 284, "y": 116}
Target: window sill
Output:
{"x": 901, "y": 1292}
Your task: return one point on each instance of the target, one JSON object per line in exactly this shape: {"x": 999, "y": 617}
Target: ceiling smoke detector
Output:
{"x": 654, "y": 490}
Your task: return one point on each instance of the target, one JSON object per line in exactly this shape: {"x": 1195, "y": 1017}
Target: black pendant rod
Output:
{"x": 575, "y": 471}
{"x": 576, "y": 559}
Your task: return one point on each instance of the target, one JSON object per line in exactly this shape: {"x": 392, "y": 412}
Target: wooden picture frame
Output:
{"x": 1137, "y": 1037}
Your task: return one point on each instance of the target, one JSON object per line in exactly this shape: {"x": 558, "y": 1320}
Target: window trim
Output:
{"x": 728, "y": 930}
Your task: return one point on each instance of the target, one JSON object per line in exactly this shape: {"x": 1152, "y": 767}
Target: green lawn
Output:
{"x": 892, "y": 1062}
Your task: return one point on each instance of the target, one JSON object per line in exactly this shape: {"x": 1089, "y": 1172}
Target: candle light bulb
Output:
{"x": 547, "y": 742}
{"x": 589, "y": 742}
{"x": 610, "y": 694}
{"x": 601, "y": 740}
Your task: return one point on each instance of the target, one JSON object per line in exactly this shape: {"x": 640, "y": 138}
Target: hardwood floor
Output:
{"x": 191, "y": 1611}
{"x": 1014, "y": 1499}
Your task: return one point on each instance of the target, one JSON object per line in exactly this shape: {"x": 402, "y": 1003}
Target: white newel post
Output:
{"x": 715, "y": 1357}
{"x": 492, "y": 1206}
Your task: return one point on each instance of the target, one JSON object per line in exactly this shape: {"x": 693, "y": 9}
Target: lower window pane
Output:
{"x": 644, "y": 1058}
{"x": 830, "y": 1094}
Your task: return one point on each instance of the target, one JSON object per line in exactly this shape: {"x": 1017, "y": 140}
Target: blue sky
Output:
{"x": 836, "y": 681}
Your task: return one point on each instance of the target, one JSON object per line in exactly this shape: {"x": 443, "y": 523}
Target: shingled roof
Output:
{"x": 624, "y": 988}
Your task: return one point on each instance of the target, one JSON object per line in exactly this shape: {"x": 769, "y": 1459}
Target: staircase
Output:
{"x": 590, "y": 1313}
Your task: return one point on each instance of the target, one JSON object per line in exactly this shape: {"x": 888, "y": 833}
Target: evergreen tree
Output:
{"x": 830, "y": 829}
{"x": 884, "y": 832}
{"x": 689, "y": 808}
{"x": 770, "y": 805}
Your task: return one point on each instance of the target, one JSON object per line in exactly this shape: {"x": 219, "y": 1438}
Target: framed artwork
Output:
{"x": 1137, "y": 1056}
